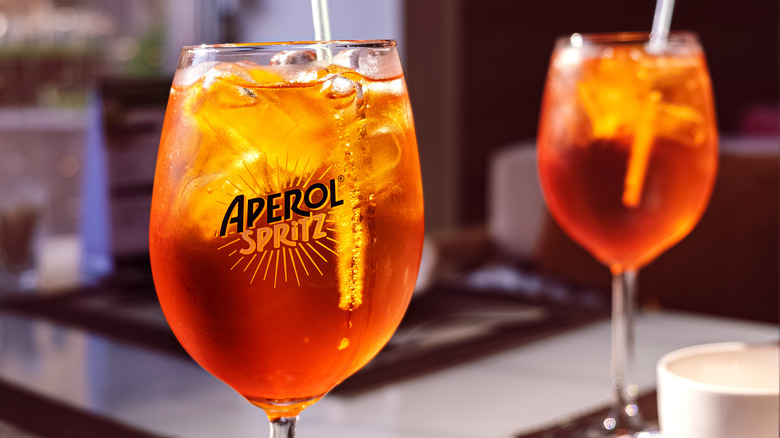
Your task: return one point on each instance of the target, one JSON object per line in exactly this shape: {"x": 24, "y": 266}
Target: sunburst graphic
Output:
{"x": 277, "y": 262}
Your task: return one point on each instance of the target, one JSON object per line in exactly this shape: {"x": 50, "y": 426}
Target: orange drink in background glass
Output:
{"x": 627, "y": 156}
{"x": 628, "y": 147}
{"x": 287, "y": 217}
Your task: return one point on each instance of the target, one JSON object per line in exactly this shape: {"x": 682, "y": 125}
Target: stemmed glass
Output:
{"x": 287, "y": 219}
{"x": 627, "y": 156}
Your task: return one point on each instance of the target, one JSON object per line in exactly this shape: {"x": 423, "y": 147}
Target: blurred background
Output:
{"x": 83, "y": 86}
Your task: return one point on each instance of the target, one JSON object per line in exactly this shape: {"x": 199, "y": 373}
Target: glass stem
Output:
{"x": 283, "y": 427}
{"x": 624, "y": 389}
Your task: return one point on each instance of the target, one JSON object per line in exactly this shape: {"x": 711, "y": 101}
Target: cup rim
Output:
{"x": 662, "y": 368}
{"x": 623, "y": 38}
{"x": 290, "y": 45}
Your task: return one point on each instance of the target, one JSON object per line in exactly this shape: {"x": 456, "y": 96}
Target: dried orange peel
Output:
{"x": 640, "y": 152}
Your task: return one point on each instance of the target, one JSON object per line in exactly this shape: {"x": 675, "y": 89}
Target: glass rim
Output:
{"x": 626, "y": 38}
{"x": 289, "y": 45}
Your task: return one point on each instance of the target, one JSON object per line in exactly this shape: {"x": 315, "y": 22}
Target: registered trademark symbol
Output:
{"x": 341, "y": 178}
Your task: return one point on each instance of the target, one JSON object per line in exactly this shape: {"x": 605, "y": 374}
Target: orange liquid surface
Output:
{"x": 285, "y": 308}
{"x": 627, "y": 152}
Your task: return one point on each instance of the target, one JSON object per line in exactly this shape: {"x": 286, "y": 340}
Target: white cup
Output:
{"x": 726, "y": 390}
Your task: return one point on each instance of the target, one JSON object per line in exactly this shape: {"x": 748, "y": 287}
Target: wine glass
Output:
{"x": 627, "y": 156}
{"x": 287, "y": 217}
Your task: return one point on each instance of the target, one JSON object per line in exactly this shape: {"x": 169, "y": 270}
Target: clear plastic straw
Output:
{"x": 319, "y": 12}
{"x": 643, "y": 138}
{"x": 662, "y": 21}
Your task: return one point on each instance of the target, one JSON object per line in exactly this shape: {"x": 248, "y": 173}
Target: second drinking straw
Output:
{"x": 662, "y": 20}
{"x": 643, "y": 139}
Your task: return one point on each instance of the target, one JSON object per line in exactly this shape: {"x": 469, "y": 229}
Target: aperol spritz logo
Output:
{"x": 283, "y": 235}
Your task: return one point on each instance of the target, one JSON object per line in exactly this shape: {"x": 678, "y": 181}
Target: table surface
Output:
{"x": 496, "y": 396}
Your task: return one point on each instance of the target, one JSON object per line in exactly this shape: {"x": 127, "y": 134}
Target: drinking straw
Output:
{"x": 319, "y": 12}
{"x": 662, "y": 20}
{"x": 643, "y": 137}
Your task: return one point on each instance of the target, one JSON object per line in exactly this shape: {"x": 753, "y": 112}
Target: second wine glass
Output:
{"x": 627, "y": 156}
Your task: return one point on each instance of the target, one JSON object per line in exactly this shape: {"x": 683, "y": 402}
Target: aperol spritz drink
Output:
{"x": 627, "y": 155}
{"x": 287, "y": 217}
{"x": 628, "y": 151}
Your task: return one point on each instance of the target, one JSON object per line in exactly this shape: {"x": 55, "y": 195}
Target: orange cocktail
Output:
{"x": 287, "y": 219}
{"x": 627, "y": 155}
{"x": 627, "y": 148}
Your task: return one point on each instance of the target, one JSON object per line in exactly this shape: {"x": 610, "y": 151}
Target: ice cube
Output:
{"x": 223, "y": 85}
{"x": 344, "y": 92}
{"x": 205, "y": 193}
{"x": 237, "y": 74}
{"x": 608, "y": 106}
{"x": 681, "y": 115}
{"x": 294, "y": 57}
{"x": 190, "y": 75}
{"x": 274, "y": 122}
{"x": 385, "y": 139}
{"x": 373, "y": 63}
{"x": 683, "y": 124}
{"x": 350, "y": 58}
{"x": 297, "y": 66}
{"x": 339, "y": 87}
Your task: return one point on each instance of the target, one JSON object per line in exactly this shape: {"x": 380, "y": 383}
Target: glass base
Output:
{"x": 618, "y": 423}
{"x": 612, "y": 424}
{"x": 594, "y": 431}
{"x": 602, "y": 433}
